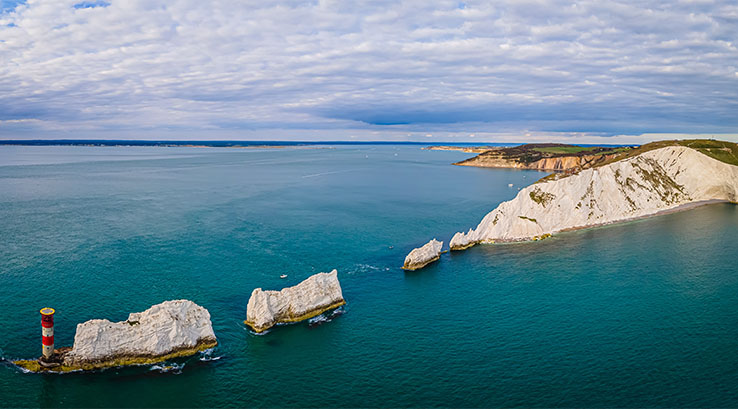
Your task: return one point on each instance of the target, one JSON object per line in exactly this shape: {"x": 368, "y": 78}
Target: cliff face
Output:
{"x": 652, "y": 182}
{"x": 318, "y": 293}
{"x": 178, "y": 327}
{"x": 422, "y": 256}
{"x": 558, "y": 163}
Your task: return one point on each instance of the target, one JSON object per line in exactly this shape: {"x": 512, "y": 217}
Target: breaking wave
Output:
{"x": 252, "y": 332}
{"x": 326, "y": 317}
{"x": 166, "y": 368}
{"x": 207, "y": 355}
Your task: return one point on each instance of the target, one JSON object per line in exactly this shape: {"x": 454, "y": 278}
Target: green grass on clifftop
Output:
{"x": 562, "y": 149}
{"x": 723, "y": 151}
{"x": 533, "y": 152}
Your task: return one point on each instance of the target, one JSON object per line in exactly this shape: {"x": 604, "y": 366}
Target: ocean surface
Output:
{"x": 639, "y": 314}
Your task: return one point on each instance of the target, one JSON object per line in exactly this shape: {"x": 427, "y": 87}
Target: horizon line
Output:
{"x": 236, "y": 143}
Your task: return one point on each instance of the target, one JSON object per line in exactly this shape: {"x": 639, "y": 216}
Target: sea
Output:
{"x": 639, "y": 314}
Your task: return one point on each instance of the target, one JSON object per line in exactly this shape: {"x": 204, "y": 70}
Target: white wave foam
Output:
{"x": 318, "y": 320}
{"x": 258, "y": 334}
{"x": 326, "y": 317}
{"x": 165, "y": 368}
{"x": 207, "y": 355}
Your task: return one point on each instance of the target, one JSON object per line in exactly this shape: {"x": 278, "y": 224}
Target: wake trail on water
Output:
{"x": 329, "y": 173}
{"x": 365, "y": 268}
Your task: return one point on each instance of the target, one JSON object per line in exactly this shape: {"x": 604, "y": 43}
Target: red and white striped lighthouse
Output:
{"x": 47, "y": 331}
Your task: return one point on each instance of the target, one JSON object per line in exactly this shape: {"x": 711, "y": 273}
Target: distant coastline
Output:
{"x": 465, "y": 149}
{"x": 216, "y": 144}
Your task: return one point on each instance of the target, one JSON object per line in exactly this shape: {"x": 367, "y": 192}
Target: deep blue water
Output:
{"x": 639, "y": 314}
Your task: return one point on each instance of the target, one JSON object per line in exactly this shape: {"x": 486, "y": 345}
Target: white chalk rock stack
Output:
{"x": 422, "y": 256}
{"x": 315, "y": 295}
{"x": 169, "y": 329}
{"x": 652, "y": 182}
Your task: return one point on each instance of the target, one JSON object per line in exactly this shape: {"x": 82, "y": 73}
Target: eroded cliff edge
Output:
{"x": 648, "y": 183}
{"x": 315, "y": 295}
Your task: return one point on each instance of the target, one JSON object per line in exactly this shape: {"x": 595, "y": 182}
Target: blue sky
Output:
{"x": 585, "y": 71}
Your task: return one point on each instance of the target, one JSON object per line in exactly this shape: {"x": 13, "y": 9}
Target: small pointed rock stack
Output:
{"x": 422, "y": 256}
{"x": 317, "y": 294}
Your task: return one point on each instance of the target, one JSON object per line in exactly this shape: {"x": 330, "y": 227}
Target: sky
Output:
{"x": 497, "y": 71}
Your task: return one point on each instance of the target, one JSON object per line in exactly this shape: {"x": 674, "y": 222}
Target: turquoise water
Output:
{"x": 639, "y": 314}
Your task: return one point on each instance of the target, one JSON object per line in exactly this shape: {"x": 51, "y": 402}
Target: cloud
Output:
{"x": 143, "y": 66}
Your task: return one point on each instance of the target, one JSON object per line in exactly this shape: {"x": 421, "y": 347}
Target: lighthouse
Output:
{"x": 47, "y": 332}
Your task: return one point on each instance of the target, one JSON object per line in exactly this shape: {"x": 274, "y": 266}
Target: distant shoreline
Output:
{"x": 160, "y": 145}
{"x": 467, "y": 147}
{"x": 212, "y": 144}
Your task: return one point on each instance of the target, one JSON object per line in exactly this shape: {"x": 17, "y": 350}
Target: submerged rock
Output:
{"x": 167, "y": 330}
{"x": 318, "y": 293}
{"x": 660, "y": 180}
{"x": 422, "y": 256}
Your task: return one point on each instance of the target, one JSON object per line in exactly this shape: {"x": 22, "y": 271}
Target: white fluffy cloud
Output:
{"x": 260, "y": 69}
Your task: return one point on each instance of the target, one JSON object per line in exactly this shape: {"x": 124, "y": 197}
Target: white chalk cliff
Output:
{"x": 422, "y": 256}
{"x": 315, "y": 295}
{"x": 172, "y": 328}
{"x": 652, "y": 182}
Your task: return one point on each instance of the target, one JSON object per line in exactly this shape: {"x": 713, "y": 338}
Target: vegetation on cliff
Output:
{"x": 540, "y": 197}
{"x": 533, "y": 152}
{"x": 723, "y": 151}
{"x": 726, "y": 152}
{"x": 571, "y": 159}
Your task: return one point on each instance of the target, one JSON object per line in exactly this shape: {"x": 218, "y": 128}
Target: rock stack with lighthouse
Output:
{"x": 168, "y": 330}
